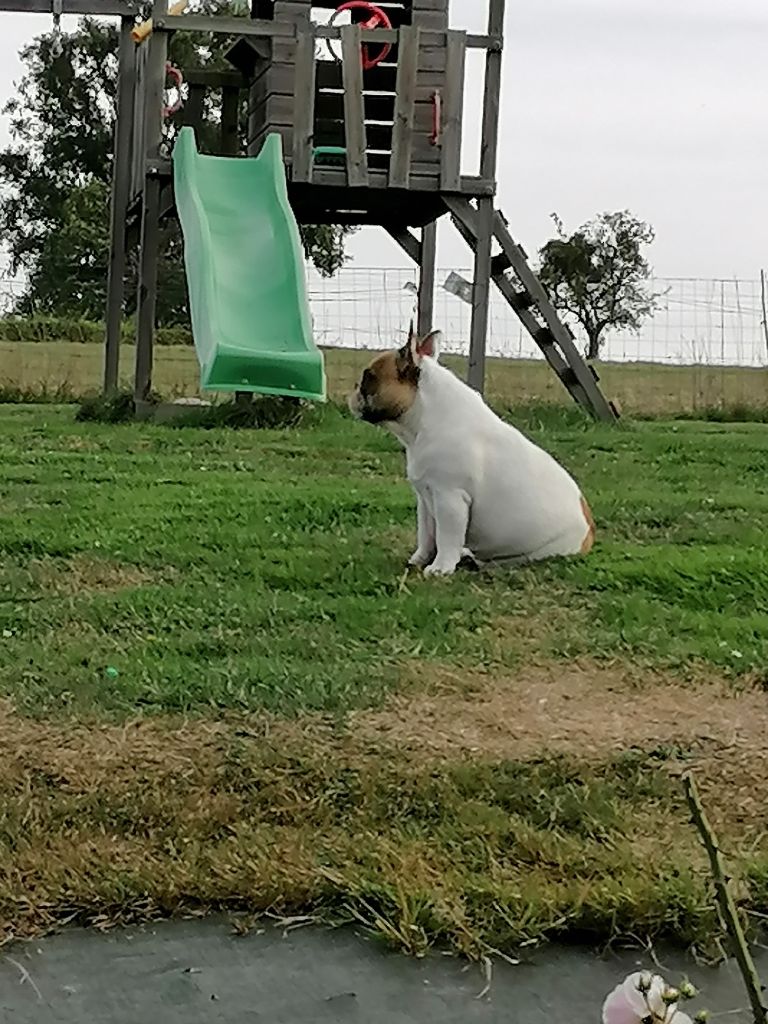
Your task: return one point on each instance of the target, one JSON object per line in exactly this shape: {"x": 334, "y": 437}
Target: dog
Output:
{"x": 484, "y": 491}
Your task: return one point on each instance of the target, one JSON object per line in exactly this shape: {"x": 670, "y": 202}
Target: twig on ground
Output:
{"x": 290, "y": 924}
{"x": 403, "y": 584}
{"x": 26, "y": 976}
{"x": 502, "y": 956}
{"x": 488, "y": 972}
{"x": 651, "y": 951}
{"x": 725, "y": 903}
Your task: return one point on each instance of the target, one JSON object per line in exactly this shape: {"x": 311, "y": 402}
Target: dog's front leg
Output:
{"x": 426, "y": 549}
{"x": 451, "y": 521}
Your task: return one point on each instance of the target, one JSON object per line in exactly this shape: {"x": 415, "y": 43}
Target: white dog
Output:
{"x": 483, "y": 489}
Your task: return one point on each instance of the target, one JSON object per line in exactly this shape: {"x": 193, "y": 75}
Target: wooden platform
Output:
{"x": 330, "y": 203}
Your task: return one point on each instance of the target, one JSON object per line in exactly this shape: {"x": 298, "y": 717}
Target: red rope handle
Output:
{"x": 177, "y": 78}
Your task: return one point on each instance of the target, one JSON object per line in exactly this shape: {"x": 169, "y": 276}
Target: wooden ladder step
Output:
{"x": 531, "y": 324}
{"x": 535, "y": 310}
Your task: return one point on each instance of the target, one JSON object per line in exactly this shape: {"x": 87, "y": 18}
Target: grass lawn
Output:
{"x": 218, "y": 688}
{"x": 639, "y": 388}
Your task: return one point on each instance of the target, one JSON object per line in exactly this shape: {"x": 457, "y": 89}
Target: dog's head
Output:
{"x": 388, "y": 387}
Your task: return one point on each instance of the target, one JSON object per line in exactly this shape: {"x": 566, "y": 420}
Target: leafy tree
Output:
{"x": 599, "y": 277}
{"x": 54, "y": 177}
{"x": 68, "y": 275}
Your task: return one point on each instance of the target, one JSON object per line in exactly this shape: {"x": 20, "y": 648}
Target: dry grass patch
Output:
{"x": 586, "y": 710}
{"x": 86, "y": 574}
{"x": 536, "y": 805}
{"x": 535, "y": 632}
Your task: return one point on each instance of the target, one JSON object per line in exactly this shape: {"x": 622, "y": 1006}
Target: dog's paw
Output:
{"x": 440, "y": 569}
{"x": 420, "y": 559}
{"x": 468, "y": 561}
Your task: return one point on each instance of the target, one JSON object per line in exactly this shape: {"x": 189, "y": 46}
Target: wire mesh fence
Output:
{"x": 11, "y": 290}
{"x": 705, "y": 346}
{"x": 698, "y": 321}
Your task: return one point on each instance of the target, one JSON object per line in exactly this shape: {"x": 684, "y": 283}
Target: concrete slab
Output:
{"x": 170, "y": 412}
{"x": 190, "y": 972}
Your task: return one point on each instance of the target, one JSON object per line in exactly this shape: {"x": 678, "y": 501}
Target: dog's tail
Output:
{"x": 589, "y": 540}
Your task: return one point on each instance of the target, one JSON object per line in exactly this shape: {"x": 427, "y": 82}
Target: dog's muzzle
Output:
{"x": 361, "y": 407}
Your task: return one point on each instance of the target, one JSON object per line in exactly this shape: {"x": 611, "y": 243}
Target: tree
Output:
{"x": 54, "y": 177}
{"x": 599, "y": 277}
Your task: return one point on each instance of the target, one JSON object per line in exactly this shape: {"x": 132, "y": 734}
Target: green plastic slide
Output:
{"x": 245, "y": 271}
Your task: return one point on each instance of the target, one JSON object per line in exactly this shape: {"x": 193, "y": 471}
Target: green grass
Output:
{"x": 184, "y": 577}
{"x": 273, "y": 563}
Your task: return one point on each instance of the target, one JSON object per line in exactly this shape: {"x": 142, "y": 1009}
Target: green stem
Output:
{"x": 726, "y": 903}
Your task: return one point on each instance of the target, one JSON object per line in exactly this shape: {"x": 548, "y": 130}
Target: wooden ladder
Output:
{"x": 527, "y": 296}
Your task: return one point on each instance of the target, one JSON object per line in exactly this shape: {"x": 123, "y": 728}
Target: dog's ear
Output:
{"x": 428, "y": 346}
{"x": 407, "y": 367}
{"x": 405, "y": 354}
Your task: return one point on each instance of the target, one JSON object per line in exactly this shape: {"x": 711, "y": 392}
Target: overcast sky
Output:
{"x": 658, "y": 106}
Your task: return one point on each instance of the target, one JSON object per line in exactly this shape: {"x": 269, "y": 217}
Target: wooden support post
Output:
{"x": 407, "y": 241}
{"x": 481, "y": 292}
{"x": 147, "y": 298}
{"x": 121, "y": 184}
{"x": 453, "y": 112}
{"x": 492, "y": 98}
{"x": 427, "y": 268}
{"x": 405, "y": 108}
{"x": 138, "y": 154}
{"x": 230, "y": 120}
{"x": 193, "y": 109}
{"x": 150, "y": 222}
{"x": 481, "y": 295}
{"x": 354, "y": 109}
{"x": 304, "y": 108}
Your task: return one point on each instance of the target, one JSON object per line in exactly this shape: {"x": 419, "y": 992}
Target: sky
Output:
{"x": 656, "y": 106}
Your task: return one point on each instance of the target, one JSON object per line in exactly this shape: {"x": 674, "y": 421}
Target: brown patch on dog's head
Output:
{"x": 589, "y": 541}
{"x": 389, "y": 385}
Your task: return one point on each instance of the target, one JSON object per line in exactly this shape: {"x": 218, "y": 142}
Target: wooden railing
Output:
{"x": 399, "y": 136}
